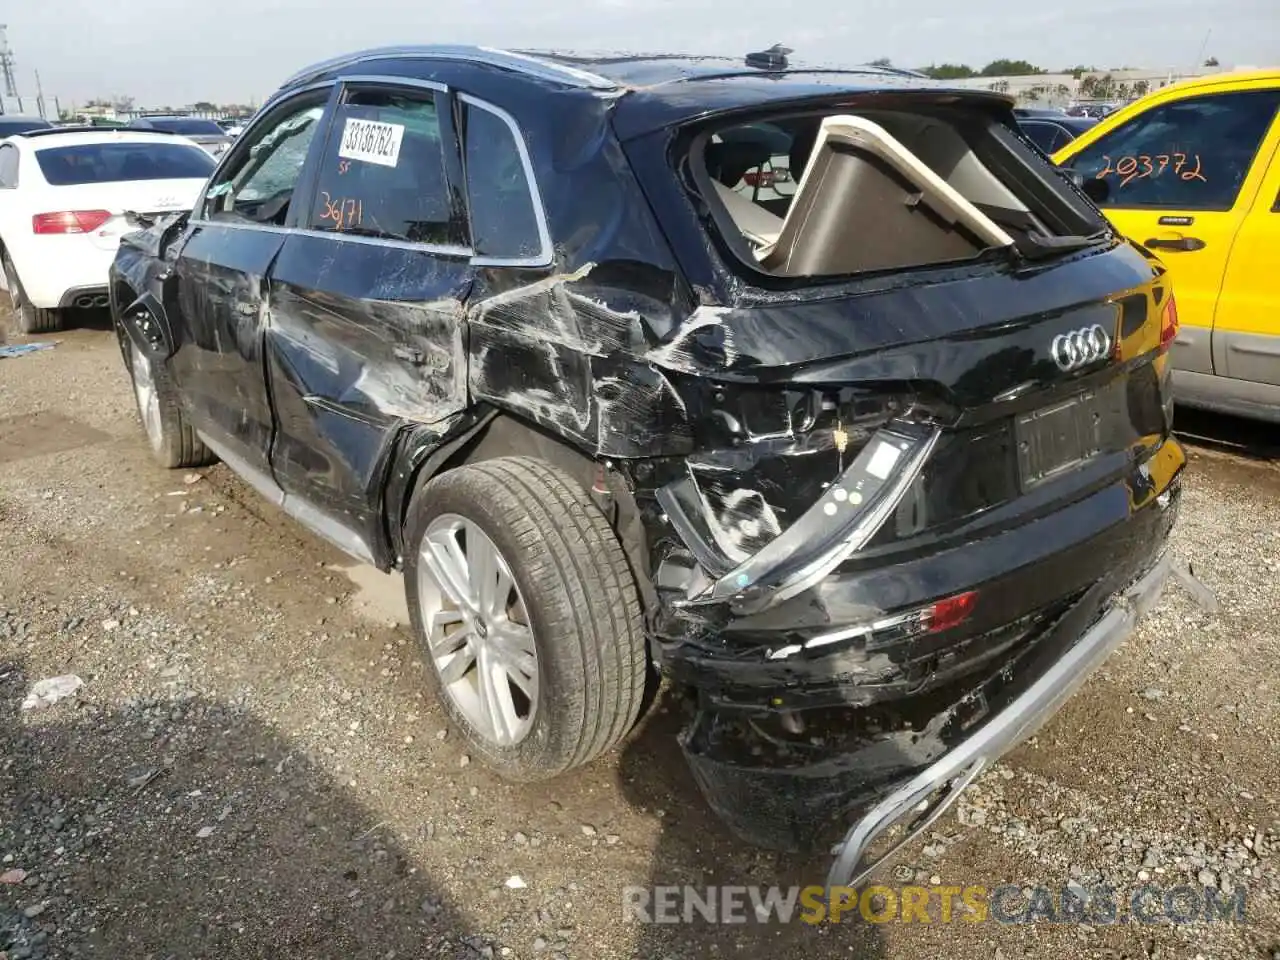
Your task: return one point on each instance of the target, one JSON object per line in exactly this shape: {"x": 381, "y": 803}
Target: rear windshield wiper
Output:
{"x": 1036, "y": 246}
{"x": 1032, "y": 242}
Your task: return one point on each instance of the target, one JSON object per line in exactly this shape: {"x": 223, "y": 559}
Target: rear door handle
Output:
{"x": 1182, "y": 244}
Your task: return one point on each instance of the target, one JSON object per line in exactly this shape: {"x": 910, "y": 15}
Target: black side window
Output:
{"x": 8, "y": 166}
{"x": 503, "y": 221}
{"x": 258, "y": 184}
{"x": 1190, "y": 154}
{"x": 383, "y": 171}
{"x": 1043, "y": 135}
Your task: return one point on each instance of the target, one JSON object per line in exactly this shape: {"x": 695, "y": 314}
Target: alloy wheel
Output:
{"x": 144, "y": 388}
{"x": 478, "y": 631}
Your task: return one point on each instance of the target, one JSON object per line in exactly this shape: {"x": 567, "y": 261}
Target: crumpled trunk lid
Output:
{"x": 1033, "y": 385}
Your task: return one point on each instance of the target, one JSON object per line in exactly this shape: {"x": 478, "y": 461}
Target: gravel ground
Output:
{"x": 251, "y": 768}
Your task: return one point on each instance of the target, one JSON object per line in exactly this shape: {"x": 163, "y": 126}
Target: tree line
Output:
{"x": 1001, "y": 68}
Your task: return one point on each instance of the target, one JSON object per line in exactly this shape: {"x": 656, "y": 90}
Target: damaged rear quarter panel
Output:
{"x": 566, "y": 345}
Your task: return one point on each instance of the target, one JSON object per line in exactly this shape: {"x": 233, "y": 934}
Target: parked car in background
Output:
{"x": 895, "y": 449}
{"x": 206, "y": 133}
{"x": 232, "y": 127}
{"x": 1095, "y": 110}
{"x": 11, "y": 124}
{"x": 64, "y": 194}
{"x": 1052, "y": 132}
{"x": 1038, "y": 112}
{"x": 1192, "y": 172}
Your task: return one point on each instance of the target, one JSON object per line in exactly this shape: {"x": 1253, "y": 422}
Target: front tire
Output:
{"x": 529, "y": 618}
{"x": 172, "y": 440}
{"x": 30, "y": 319}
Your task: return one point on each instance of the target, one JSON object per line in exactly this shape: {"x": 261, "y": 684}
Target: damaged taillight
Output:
{"x": 850, "y": 511}
{"x": 764, "y": 456}
{"x": 951, "y": 612}
{"x": 1169, "y": 323}
{"x": 939, "y": 616}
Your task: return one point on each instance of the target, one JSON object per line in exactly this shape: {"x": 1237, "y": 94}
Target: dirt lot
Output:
{"x": 252, "y": 770}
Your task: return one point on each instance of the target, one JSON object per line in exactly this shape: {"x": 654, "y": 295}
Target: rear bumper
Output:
{"x": 1054, "y": 594}
{"x": 91, "y": 296}
{"x": 1026, "y": 574}
{"x": 55, "y": 268}
{"x": 939, "y": 784}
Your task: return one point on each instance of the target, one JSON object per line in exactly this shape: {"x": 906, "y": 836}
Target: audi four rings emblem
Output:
{"x": 1079, "y": 348}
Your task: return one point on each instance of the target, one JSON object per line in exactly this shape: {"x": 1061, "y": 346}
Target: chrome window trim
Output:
{"x": 542, "y": 259}
{"x": 526, "y": 64}
{"x": 546, "y": 255}
{"x": 385, "y": 80}
{"x": 440, "y": 248}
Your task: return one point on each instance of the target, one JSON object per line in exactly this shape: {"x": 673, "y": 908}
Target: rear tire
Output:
{"x": 172, "y": 440}
{"x": 29, "y": 319}
{"x": 566, "y": 604}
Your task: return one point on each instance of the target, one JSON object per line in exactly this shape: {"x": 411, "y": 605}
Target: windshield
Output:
{"x": 187, "y": 126}
{"x": 115, "y": 162}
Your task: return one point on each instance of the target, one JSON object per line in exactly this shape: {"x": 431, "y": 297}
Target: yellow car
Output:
{"x": 1192, "y": 172}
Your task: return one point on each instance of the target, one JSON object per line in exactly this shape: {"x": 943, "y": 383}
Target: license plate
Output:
{"x": 1058, "y": 438}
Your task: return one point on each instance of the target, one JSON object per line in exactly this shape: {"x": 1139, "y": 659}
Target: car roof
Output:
{"x": 1228, "y": 78}
{"x": 656, "y": 90}
{"x": 605, "y": 71}
{"x": 172, "y": 118}
{"x": 82, "y": 136}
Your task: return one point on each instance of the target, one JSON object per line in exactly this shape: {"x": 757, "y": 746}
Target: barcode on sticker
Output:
{"x": 881, "y": 463}
{"x": 371, "y": 141}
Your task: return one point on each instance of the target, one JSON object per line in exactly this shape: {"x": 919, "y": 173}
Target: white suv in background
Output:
{"x": 63, "y": 197}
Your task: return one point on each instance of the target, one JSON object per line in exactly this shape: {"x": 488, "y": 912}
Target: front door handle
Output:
{"x": 1181, "y": 245}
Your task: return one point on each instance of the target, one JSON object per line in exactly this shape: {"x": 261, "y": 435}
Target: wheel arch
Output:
{"x": 495, "y": 433}
{"x": 140, "y": 317}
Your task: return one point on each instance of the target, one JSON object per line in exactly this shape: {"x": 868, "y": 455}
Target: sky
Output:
{"x": 174, "y": 52}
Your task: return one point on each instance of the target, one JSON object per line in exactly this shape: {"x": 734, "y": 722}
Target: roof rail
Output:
{"x": 505, "y": 59}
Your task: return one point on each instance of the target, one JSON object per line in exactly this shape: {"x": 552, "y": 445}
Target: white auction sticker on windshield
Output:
{"x": 371, "y": 141}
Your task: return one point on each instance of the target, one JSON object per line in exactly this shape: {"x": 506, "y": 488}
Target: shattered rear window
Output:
{"x": 843, "y": 192}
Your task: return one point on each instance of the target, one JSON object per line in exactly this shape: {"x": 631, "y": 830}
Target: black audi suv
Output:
{"x": 875, "y": 471}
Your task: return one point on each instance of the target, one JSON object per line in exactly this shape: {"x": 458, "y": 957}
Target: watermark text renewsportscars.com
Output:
{"x": 1010, "y": 903}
